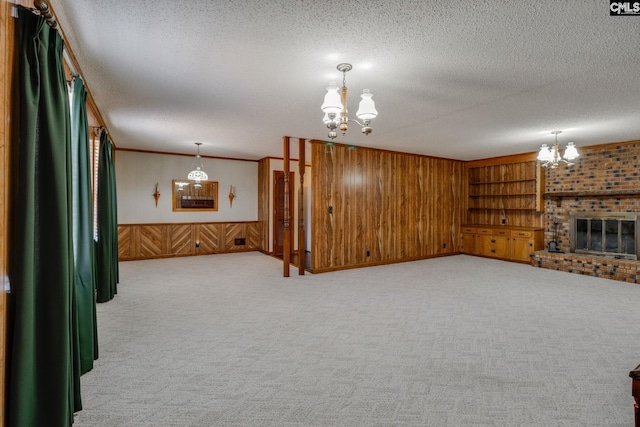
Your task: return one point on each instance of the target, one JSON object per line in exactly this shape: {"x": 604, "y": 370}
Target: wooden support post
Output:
{"x": 302, "y": 238}
{"x": 286, "y": 256}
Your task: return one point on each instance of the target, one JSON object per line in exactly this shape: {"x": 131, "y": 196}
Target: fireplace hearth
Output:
{"x": 607, "y": 234}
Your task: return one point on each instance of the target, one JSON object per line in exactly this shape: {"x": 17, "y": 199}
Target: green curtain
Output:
{"x": 83, "y": 243}
{"x": 107, "y": 245}
{"x": 43, "y": 377}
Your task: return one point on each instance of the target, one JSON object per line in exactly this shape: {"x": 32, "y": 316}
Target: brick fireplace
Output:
{"x": 604, "y": 179}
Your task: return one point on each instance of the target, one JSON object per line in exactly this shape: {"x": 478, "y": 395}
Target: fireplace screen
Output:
{"x": 609, "y": 234}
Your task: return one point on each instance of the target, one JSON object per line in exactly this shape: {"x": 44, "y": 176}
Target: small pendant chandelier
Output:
{"x": 197, "y": 174}
{"x": 335, "y": 107}
{"x": 550, "y": 157}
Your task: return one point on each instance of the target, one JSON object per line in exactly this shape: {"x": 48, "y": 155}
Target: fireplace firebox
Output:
{"x": 610, "y": 234}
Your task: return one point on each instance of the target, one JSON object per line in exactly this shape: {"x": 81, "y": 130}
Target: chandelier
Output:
{"x": 335, "y": 107}
{"x": 550, "y": 156}
{"x": 197, "y": 174}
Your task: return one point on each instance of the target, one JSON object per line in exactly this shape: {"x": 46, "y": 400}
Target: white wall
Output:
{"x": 137, "y": 174}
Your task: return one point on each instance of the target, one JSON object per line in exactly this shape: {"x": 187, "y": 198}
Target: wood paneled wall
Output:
{"x": 264, "y": 178}
{"x": 146, "y": 241}
{"x": 376, "y": 207}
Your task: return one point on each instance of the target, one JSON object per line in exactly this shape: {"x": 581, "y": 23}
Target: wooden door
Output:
{"x": 278, "y": 211}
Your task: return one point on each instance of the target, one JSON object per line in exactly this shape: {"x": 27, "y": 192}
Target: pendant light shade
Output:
{"x": 571, "y": 153}
{"x": 367, "y": 108}
{"x": 545, "y": 154}
{"x": 332, "y": 103}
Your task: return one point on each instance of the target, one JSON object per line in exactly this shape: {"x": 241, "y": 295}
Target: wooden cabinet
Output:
{"x": 523, "y": 244}
{"x": 504, "y": 208}
{"x": 468, "y": 240}
{"x": 500, "y": 244}
{"x": 508, "y": 243}
{"x": 484, "y": 241}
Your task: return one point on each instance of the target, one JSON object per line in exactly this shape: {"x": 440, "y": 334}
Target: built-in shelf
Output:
{"x": 505, "y": 193}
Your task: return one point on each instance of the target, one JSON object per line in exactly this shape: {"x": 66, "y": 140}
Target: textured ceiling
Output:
{"x": 458, "y": 79}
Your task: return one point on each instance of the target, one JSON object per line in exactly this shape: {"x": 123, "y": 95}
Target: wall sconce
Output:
{"x": 156, "y": 194}
{"x": 232, "y": 195}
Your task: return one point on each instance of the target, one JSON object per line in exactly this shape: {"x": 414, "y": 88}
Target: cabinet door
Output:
{"x": 484, "y": 245}
{"x": 521, "y": 248}
{"x": 468, "y": 243}
{"x": 501, "y": 247}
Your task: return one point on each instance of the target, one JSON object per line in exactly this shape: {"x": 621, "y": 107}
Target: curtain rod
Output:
{"x": 97, "y": 130}
{"x": 45, "y": 11}
{"x": 43, "y": 7}
{"x": 67, "y": 59}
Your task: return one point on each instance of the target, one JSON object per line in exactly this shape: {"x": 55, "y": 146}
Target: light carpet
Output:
{"x": 224, "y": 340}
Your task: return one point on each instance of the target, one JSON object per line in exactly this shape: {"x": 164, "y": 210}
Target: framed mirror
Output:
{"x": 191, "y": 196}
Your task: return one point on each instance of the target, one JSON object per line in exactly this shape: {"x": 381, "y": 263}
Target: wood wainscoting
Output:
{"x": 372, "y": 207}
{"x": 147, "y": 241}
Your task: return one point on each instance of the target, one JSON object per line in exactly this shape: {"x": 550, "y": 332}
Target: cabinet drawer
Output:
{"x": 468, "y": 230}
{"x": 485, "y": 231}
{"x": 522, "y": 234}
{"x": 501, "y": 233}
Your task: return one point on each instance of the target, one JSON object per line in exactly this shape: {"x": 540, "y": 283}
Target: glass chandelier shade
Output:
{"x": 181, "y": 186}
{"x": 197, "y": 173}
{"x": 571, "y": 153}
{"x": 545, "y": 154}
{"x": 367, "y": 108}
{"x": 332, "y": 103}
